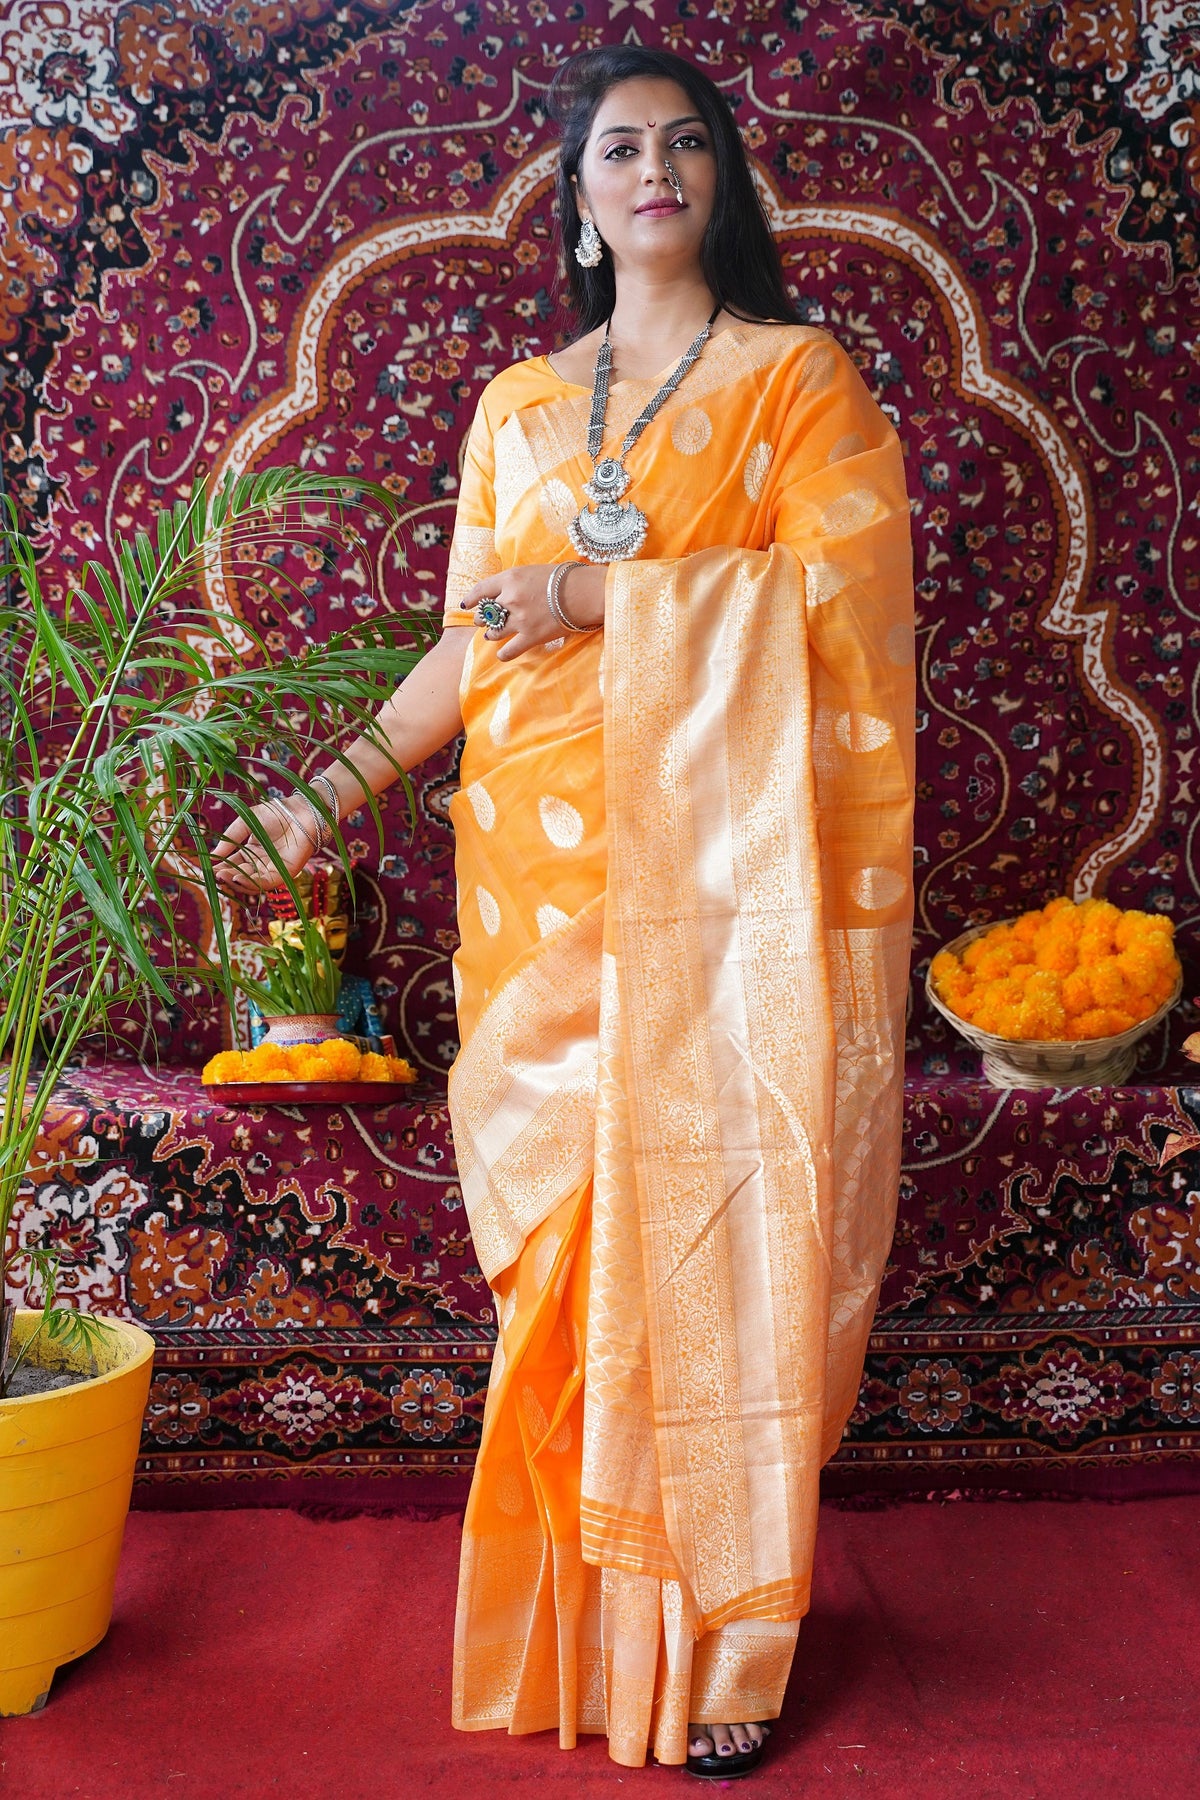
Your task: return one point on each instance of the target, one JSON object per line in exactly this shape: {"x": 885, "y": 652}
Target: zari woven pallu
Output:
{"x": 684, "y": 865}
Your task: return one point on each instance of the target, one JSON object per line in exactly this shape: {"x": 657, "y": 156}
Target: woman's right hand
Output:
{"x": 243, "y": 863}
{"x": 522, "y": 593}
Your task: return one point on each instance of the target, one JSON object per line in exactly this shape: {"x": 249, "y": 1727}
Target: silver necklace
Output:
{"x": 616, "y": 529}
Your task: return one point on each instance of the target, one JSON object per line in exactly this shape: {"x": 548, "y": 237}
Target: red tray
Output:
{"x": 315, "y": 1093}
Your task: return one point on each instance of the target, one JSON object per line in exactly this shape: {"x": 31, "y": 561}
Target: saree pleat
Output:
{"x": 546, "y": 1640}
{"x": 684, "y": 894}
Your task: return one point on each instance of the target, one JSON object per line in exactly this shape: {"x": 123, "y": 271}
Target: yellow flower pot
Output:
{"x": 66, "y": 1469}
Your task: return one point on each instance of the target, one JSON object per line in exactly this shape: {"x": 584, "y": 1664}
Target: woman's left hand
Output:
{"x": 523, "y": 592}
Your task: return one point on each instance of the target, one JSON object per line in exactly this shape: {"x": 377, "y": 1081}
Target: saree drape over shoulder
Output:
{"x": 684, "y": 869}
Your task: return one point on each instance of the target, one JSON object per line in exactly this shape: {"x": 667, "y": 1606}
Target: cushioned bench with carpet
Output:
{"x": 291, "y": 245}
{"x": 325, "y": 1334}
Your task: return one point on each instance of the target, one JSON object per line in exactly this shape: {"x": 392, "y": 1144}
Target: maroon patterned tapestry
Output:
{"x": 238, "y": 232}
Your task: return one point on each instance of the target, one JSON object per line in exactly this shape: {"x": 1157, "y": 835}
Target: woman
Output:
{"x": 684, "y": 901}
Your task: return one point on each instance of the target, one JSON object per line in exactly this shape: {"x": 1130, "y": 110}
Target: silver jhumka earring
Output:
{"x": 590, "y": 248}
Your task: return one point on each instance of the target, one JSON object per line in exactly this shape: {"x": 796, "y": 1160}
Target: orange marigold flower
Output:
{"x": 1108, "y": 982}
{"x": 1095, "y": 948}
{"x": 342, "y": 1059}
{"x": 374, "y": 1068}
{"x": 1100, "y": 920}
{"x": 275, "y": 1072}
{"x": 1008, "y": 1021}
{"x": 1135, "y": 924}
{"x": 1140, "y": 967}
{"x": 1156, "y": 949}
{"x": 227, "y": 1065}
{"x": 1095, "y": 908}
{"x": 1041, "y": 1022}
{"x": 401, "y": 1069}
{"x": 955, "y": 994}
{"x": 1101, "y": 1021}
{"x": 1127, "y": 931}
{"x": 1056, "y": 953}
{"x": 957, "y": 983}
{"x": 1077, "y": 993}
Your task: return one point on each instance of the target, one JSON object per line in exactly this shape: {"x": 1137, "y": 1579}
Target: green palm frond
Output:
{"x": 122, "y": 714}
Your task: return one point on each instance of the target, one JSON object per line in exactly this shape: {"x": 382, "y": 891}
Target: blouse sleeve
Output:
{"x": 473, "y": 547}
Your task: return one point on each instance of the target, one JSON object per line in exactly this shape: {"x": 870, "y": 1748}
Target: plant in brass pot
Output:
{"x": 299, "y": 983}
{"x": 296, "y": 992}
{"x": 124, "y": 708}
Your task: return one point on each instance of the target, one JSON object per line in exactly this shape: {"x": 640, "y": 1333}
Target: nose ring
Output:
{"x": 673, "y": 178}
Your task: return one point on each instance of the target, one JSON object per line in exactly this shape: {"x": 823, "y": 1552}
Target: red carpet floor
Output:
{"x": 1007, "y": 1649}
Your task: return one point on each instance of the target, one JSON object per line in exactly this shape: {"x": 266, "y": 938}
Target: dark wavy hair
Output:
{"x": 738, "y": 256}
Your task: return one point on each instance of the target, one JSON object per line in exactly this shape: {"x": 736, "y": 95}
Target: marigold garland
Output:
{"x": 334, "y": 1060}
{"x": 1061, "y": 973}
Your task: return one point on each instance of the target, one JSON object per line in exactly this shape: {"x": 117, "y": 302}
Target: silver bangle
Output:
{"x": 335, "y": 805}
{"x": 325, "y": 833}
{"x": 321, "y": 836}
{"x": 558, "y": 576}
{"x": 282, "y": 810}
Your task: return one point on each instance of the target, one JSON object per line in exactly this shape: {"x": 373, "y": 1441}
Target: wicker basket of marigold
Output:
{"x": 1060, "y": 996}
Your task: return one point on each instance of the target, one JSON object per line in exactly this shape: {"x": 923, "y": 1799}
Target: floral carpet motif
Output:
{"x": 235, "y": 234}
{"x": 307, "y": 1273}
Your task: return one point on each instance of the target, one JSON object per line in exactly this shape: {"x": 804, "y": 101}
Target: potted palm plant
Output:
{"x": 123, "y": 709}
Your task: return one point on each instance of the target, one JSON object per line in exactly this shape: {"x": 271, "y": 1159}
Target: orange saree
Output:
{"x": 684, "y": 897}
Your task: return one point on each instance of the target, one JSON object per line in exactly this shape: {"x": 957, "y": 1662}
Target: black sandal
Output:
{"x": 712, "y": 1766}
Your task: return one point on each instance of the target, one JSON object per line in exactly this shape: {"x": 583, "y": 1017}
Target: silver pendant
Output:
{"x": 609, "y": 480}
{"x": 616, "y": 530}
